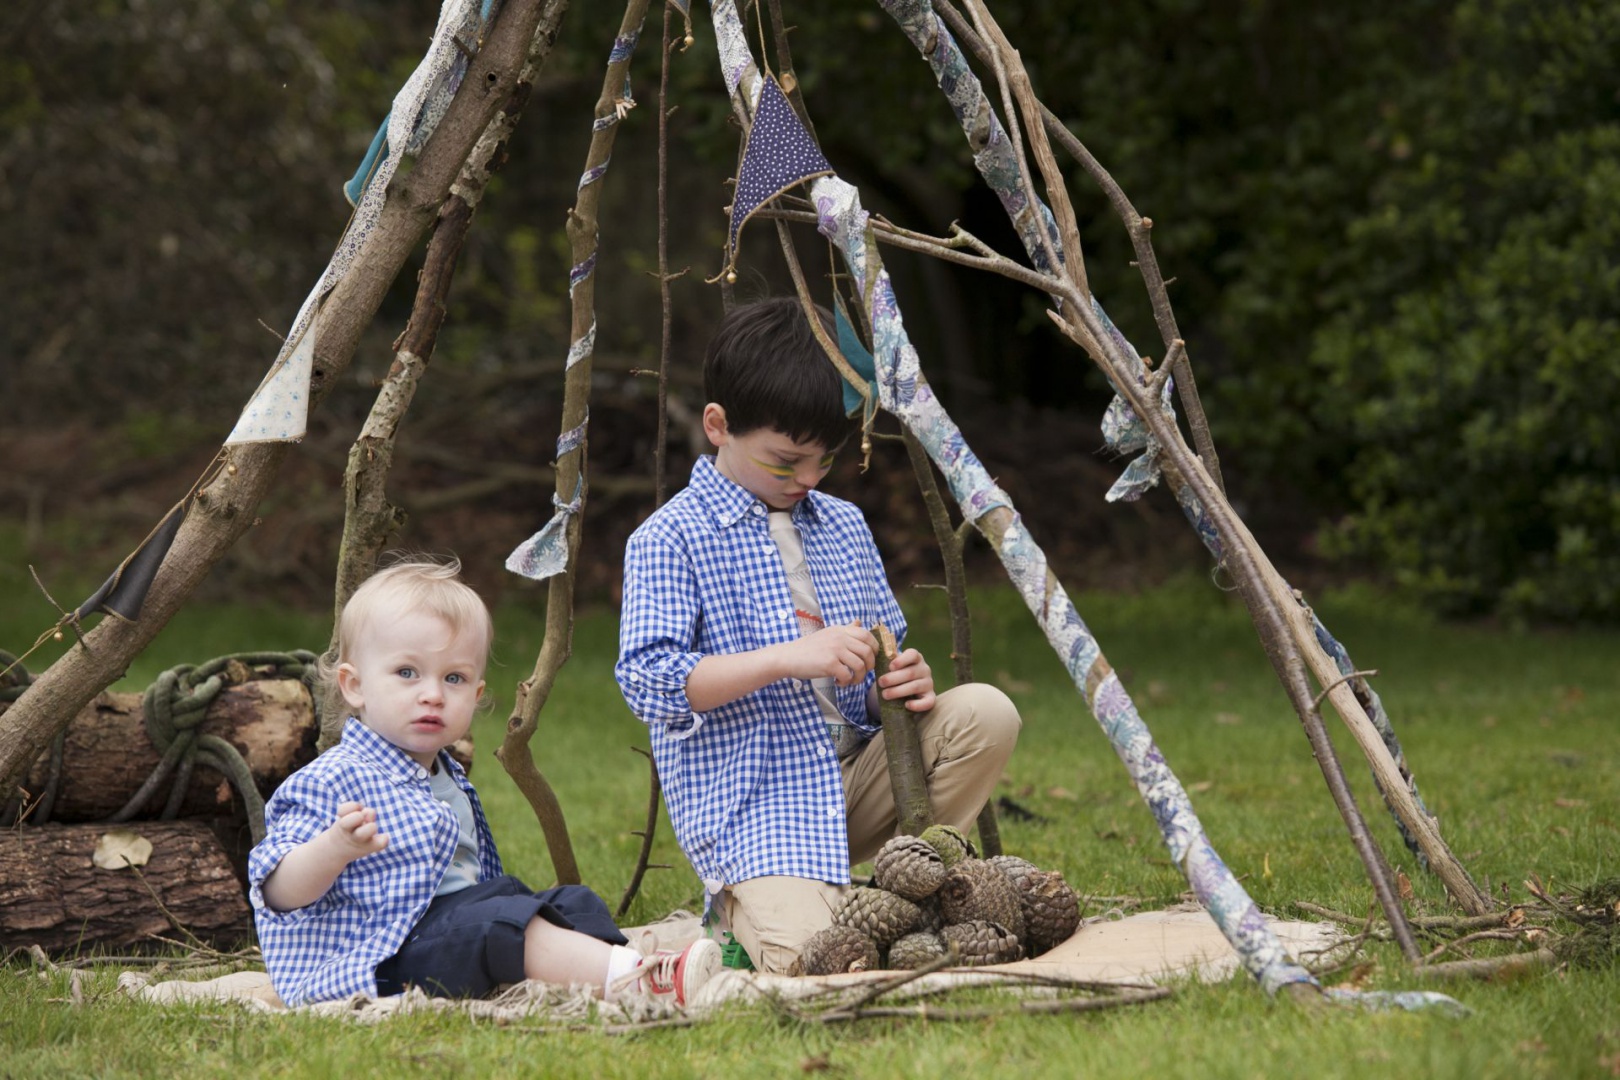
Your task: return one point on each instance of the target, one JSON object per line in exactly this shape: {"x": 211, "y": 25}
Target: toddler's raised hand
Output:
{"x": 841, "y": 653}
{"x": 354, "y": 833}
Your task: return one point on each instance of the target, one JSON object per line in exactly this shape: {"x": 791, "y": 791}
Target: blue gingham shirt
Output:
{"x": 330, "y": 950}
{"x": 753, "y": 787}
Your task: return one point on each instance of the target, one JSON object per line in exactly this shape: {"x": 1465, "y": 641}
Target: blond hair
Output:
{"x": 415, "y": 583}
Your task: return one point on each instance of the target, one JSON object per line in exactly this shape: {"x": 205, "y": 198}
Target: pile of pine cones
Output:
{"x": 931, "y": 895}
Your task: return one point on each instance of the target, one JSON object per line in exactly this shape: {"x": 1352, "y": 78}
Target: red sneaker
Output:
{"x": 676, "y": 976}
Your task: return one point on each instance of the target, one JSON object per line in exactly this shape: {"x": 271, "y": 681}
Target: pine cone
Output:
{"x": 980, "y": 942}
{"x": 915, "y": 950}
{"x": 879, "y": 914}
{"x": 908, "y": 867}
{"x": 1051, "y": 911}
{"x": 933, "y": 920}
{"x": 835, "y": 950}
{"x": 974, "y": 889}
{"x": 1050, "y": 907}
{"x": 948, "y": 840}
{"x": 1011, "y": 865}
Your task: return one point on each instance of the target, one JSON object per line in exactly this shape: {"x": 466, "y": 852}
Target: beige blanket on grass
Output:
{"x": 1136, "y": 950}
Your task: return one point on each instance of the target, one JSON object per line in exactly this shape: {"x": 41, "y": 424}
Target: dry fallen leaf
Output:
{"x": 1202, "y": 785}
{"x": 120, "y": 848}
{"x": 1403, "y": 885}
{"x": 1061, "y": 793}
{"x": 1569, "y": 804}
{"x": 1359, "y": 975}
{"x": 1228, "y": 718}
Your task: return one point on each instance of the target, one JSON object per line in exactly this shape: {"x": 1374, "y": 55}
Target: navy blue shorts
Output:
{"x": 471, "y": 941}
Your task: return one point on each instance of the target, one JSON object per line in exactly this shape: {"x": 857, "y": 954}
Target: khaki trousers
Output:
{"x": 966, "y": 739}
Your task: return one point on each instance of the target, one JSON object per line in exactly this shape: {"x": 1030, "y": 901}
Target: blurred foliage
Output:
{"x": 1469, "y": 378}
{"x": 1388, "y": 226}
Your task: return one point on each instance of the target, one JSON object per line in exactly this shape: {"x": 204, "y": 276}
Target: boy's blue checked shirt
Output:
{"x": 753, "y": 786}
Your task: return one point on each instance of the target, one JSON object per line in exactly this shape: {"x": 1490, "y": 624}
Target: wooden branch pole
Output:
{"x": 1245, "y": 561}
{"x": 369, "y": 517}
{"x": 951, "y": 543}
{"x": 649, "y": 827}
{"x": 224, "y": 508}
{"x": 557, "y": 645}
{"x": 903, "y": 747}
{"x": 1290, "y": 641}
{"x": 1139, "y": 229}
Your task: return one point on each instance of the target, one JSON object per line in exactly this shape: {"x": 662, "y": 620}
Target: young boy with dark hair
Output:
{"x": 745, "y": 646}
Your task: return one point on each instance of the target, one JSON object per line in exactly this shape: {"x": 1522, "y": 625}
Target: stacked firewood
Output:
{"x": 95, "y": 856}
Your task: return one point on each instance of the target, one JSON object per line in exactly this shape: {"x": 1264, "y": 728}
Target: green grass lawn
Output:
{"x": 1512, "y": 737}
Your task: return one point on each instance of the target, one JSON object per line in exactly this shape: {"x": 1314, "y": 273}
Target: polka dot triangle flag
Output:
{"x": 779, "y": 154}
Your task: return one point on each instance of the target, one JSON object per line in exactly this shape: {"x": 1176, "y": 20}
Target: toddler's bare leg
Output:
{"x": 556, "y": 955}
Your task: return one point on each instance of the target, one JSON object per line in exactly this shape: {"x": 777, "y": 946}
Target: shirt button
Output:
{"x": 832, "y": 811}
{"x": 758, "y": 509}
{"x": 821, "y": 751}
{"x": 787, "y": 613}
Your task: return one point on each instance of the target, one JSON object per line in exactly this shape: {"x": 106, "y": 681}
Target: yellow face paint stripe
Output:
{"x": 785, "y": 472}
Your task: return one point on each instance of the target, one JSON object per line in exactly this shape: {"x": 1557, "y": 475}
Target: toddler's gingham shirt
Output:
{"x": 753, "y": 787}
{"x": 330, "y": 949}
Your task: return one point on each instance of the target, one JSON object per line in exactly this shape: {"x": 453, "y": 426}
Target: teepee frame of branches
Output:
{"x": 445, "y": 187}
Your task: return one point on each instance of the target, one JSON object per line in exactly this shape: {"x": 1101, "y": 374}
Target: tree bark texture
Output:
{"x": 951, "y": 542}
{"x": 108, "y": 754}
{"x": 572, "y": 477}
{"x": 53, "y": 896}
{"x": 903, "y": 747}
{"x": 225, "y": 506}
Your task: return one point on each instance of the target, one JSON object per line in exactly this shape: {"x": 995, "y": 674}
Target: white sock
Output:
{"x": 621, "y": 961}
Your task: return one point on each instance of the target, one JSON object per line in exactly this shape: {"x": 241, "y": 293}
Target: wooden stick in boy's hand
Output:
{"x": 901, "y": 743}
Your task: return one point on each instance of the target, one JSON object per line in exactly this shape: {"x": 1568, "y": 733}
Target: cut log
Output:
{"x": 108, "y": 755}
{"x": 52, "y": 894}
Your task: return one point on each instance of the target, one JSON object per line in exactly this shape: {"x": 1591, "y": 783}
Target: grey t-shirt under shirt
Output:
{"x": 463, "y": 870}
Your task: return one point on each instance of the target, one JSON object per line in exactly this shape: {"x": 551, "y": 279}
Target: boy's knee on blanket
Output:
{"x": 771, "y": 917}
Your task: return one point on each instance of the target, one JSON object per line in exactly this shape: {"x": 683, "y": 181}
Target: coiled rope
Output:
{"x": 173, "y": 709}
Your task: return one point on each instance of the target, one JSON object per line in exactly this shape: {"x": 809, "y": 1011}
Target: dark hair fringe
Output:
{"x": 765, "y": 367}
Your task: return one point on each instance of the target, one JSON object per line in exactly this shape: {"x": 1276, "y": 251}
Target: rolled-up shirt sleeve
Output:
{"x": 657, "y": 626}
{"x": 297, "y": 813}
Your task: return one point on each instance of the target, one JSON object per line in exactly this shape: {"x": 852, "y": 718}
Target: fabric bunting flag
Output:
{"x": 279, "y": 408}
{"x": 849, "y": 343}
{"x": 125, "y": 591}
{"x": 779, "y": 154}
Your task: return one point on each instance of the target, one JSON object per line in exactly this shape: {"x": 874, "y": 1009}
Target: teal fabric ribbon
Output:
{"x": 375, "y": 153}
{"x": 849, "y": 343}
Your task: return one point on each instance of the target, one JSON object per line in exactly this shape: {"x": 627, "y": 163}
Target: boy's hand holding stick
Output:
{"x": 900, "y": 739}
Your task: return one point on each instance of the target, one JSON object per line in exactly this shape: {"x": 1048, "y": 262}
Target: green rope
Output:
{"x": 174, "y": 707}
{"x": 14, "y": 678}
